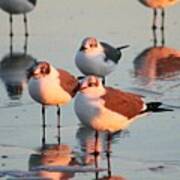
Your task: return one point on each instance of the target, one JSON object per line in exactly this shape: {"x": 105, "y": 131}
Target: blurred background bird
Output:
{"x": 16, "y": 7}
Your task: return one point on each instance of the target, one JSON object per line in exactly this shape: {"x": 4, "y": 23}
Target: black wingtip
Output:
{"x": 123, "y": 47}
{"x": 155, "y": 107}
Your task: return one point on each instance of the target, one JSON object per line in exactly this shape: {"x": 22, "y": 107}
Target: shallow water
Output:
{"x": 150, "y": 148}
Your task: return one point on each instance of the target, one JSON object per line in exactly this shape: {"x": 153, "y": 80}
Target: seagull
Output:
{"x": 97, "y": 58}
{"x": 108, "y": 109}
{"x": 15, "y": 7}
{"x": 158, "y": 4}
{"x": 50, "y": 86}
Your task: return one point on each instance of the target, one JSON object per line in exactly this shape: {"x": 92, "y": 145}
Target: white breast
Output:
{"x": 48, "y": 91}
{"x": 85, "y": 109}
{"x": 93, "y": 113}
{"x": 94, "y": 64}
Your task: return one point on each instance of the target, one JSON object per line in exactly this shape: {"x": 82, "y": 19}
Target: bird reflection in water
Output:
{"x": 53, "y": 155}
{"x": 158, "y": 62}
{"x": 93, "y": 148}
{"x": 13, "y": 70}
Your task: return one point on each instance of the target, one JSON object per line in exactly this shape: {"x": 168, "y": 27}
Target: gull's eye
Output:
{"x": 91, "y": 45}
{"x": 45, "y": 69}
{"x": 92, "y": 84}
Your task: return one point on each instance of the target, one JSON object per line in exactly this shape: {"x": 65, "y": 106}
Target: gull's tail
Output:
{"x": 122, "y": 47}
{"x": 155, "y": 107}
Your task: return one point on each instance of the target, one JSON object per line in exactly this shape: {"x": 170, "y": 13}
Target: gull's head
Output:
{"x": 90, "y": 44}
{"x": 39, "y": 70}
{"x": 92, "y": 85}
